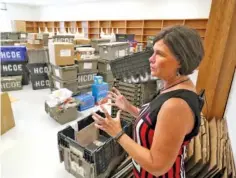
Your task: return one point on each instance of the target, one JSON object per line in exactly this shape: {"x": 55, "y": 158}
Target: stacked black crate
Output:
{"x": 13, "y": 63}
{"x": 38, "y": 67}
{"x": 136, "y": 94}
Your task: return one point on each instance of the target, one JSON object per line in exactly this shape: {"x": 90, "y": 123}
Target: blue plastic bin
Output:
{"x": 13, "y": 54}
{"x": 100, "y": 96}
{"x": 97, "y": 88}
{"x": 98, "y": 80}
{"x": 87, "y": 101}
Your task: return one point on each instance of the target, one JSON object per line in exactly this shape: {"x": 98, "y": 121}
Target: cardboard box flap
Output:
{"x": 87, "y": 135}
{"x": 7, "y": 117}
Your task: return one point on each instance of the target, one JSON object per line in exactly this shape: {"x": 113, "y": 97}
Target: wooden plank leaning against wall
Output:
{"x": 217, "y": 69}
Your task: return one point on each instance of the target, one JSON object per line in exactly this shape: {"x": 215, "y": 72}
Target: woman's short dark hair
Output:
{"x": 185, "y": 44}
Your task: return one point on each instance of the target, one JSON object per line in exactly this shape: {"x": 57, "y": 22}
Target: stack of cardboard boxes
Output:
{"x": 64, "y": 69}
{"x": 210, "y": 154}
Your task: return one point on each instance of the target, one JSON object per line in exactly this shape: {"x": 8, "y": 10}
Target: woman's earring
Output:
{"x": 177, "y": 74}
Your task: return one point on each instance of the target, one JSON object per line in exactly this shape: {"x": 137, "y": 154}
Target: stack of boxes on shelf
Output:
{"x": 64, "y": 69}
{"x": 14, "y": 72}
{"x": 136, "y": 94}
{"x": 38, "y": 67}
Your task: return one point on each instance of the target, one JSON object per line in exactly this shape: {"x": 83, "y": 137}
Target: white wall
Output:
{"x": 127, "y": 9}
{"x": 230, "y": 115}
{"x": 17, "y": 12}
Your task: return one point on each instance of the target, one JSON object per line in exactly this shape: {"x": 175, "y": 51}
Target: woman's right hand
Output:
{"x": 118, "y": 99}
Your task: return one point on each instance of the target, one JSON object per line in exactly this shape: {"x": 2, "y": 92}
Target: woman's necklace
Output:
{"x": 163, "y": 89}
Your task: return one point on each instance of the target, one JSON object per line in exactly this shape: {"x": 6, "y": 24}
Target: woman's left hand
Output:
{"x": 110, "y": 125}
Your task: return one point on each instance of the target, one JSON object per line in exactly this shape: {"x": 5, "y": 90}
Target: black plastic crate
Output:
{"x": 40, "y": 82}
{"x": 13, "y": 68}
{"x": 124, "y": 37}
{"x": 134, "y": 67}
{"x": 38, "y": 68}
{"x": 88, "y": 120}
{"x": 98, "y": 156}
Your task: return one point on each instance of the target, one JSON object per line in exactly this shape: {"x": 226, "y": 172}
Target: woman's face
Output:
{"x": 162, "y": 63}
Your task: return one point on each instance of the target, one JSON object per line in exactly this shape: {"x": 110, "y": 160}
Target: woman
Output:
{"x": 166, "y": 124}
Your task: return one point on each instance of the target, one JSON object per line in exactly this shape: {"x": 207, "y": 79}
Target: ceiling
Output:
{"x": 50, "y": 2}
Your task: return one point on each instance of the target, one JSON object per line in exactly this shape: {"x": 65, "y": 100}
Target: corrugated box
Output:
{"x": 7, "y": 117}
{"x": 61, "y": 53}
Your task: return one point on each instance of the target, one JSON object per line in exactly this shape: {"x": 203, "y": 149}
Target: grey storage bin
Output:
{"x": 62, "y": 116}
{"x": 88, "y": 65}
{"x": 104, "y": 65}
{"x": 71, "y": 85}
{"x": 63, "y": 38}
{"x": 38, "y": 55}
{"x": 22, "y": 35}
{"x": 65, "y": 73}
{"x": 111, "y": 51}
{"x": 86, "y": 78}
{"x": 110, "y": 85}
{"x": 45, "y": 39}
{"x": 85, "y": 89}
{"x": 13, "y": 35}
{"x": 9, "y": 42}
{"x": 11, "y": 83}
{"x": 107, "y": 77}
{"x": 4, "y": 35}
{"x": 96, "y": 42}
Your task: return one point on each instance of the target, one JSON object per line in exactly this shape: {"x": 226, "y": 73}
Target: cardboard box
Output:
{"x": 32, "y": 36}
{"x": 30, "y": 41}
{"x": 82, "y": 41}
{"x": 39, "y": 36}
{"x": 7, "y": 118}
{"x": 34, "y": 46}
{"x": 61, "y": 53}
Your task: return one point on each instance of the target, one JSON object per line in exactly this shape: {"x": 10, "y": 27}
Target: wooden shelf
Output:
{"x": 152, "y": 23}
{"x": 152, "y": 27}
{"x": 93, "y": 24}
{"x": 196, "y": 23}
{"x": 141, "y": 28}
{"x": 104, "y": 24}
{"x": 136, "y": 31}
{"x": 118, "y": 24}
{"x": 167, "y": 23}
{"x": 135, "y": 24}
{"x": 151, "y": 31}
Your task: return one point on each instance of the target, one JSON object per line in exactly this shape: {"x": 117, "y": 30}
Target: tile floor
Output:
{"x": 29, "y": 150}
